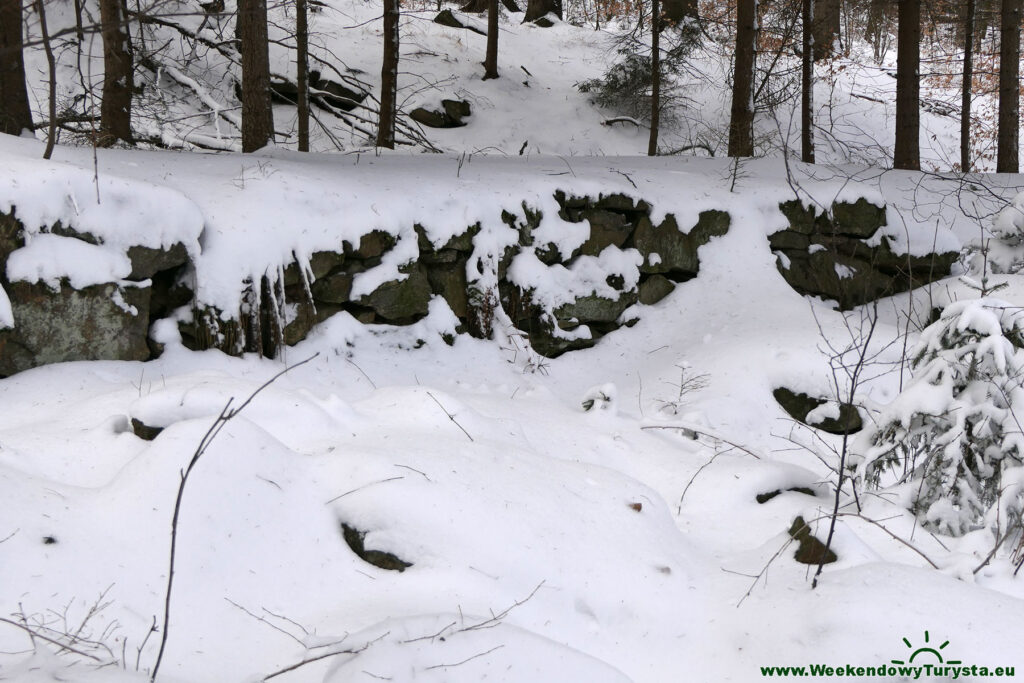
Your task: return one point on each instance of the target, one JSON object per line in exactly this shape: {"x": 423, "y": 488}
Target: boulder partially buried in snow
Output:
{"x": 97, "y": 322}
{"x": 80, "y": 258}
{"x": 843, "y": 256}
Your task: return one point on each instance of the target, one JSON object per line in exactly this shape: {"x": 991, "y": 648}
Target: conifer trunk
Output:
{"x": 257, "y": 114}
{"x": 491, "y": 60}
{"x": 302, "y": 67}
{"x": 116, "y": 102}
{"x": 1007, "y": 156}
{"x": 907, "y": 154}
{"x": 807, "y": 85}
{"x": 389, "y": 77}
{"x": 15, "y": 114}
{"x": 652, "y": 142}
{"x": 968, "y": 85}
{"x": 741, "y": 123}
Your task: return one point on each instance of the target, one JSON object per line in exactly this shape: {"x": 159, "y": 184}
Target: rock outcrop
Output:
{"x": 840, "y": 255}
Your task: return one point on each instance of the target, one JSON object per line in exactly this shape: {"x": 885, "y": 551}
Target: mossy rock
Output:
{"x": 798, "y": 405}
{"x": 593, "y": 308}
{"x": 400, "y": 301}
{"x": 462, "y": 242}
{"x": 801, "y": 218}
{"x": 712, "y": 223}
{"x": 572, "y": 201}
{"x": 786, "y": 240}
{"x": 62, "y": 230}
{"x": 100, "y": 322}
{"x": 372, "y": 245}
{"x": 320, "y": 263}
{"x": 607, "y": 229}
{"x": 456, "y": 110}
{"x": 763, "y": 498}
{"x": 144, "y": 431}
{"x": 621, "y": 203}
{"x": 818, "y": 274}
{"x": 446, "y": 18}
{"x": 654, "y": 288}
{"x": 858, "y": 219}
{"x": 810, "y": 550}
{"x": 449, "y": 281}
{"x": 336, "y": 288}
{"x": 148, "y": 261}
{"x": 354, "y": 539}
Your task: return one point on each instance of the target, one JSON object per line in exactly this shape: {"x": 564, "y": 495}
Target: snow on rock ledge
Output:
{"x": 86, "y": 264}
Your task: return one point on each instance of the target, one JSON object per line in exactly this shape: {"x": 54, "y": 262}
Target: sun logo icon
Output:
{"x": 926, "y": 649}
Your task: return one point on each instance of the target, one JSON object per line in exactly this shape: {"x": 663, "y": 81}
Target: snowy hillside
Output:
{"x": 187, "y": 88}
{"x": 590, "y": 517}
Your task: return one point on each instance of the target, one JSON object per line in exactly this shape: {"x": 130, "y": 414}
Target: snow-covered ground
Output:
{"x": 186, "y": 88}
{"x": 547, "y": 541}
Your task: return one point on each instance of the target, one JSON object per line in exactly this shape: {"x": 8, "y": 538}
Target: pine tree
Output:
{"x": 954, "y": 432}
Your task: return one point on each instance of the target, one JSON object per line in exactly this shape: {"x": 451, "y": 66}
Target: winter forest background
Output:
{"x": 584, "y": 341}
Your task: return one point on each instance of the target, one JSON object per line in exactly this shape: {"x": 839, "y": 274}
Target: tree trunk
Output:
{"x": 51, "y": 68}
{"x": 968, "y": 85}
{"x": 491, "y": 60}
{"x": 389, "y": 76}
{"x": 15, "y": 114}
{"x": 257, "y": 114}
{"x": 675, "y": 12}
{"x": 907, "y": 154}
{"x": 652, "y": 142}
{"x": 116, "y": 102}
{"x": 826, "y": 28}
{"x": 302, "y": 77}
{"x": 741, "y": 123}
{"x": 807, "y": 86}
{"x": 535, "y": 9}
{"x": 1007, "y": 157}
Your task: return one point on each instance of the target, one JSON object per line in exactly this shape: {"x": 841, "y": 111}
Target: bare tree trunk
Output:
{"x": 257, "y": 114}
{"x": 652, "y": 142}
{"x": 741, "y": 123}
{"x": 535, "y": 9}
{"x": 491, "y": 60}
{"x": 968, "y": 85}
{"x": 807, "y": 86}
{"x": 51, "y": 64}
{"x": 15, "y": 114}
{"x": 826, "y": 28}
{"x": 116, "y": 102}
{"x": 389, "y": 76}
{"x": 907, "y": 154}
{"x": 302, "y": 77}
{"x": 1007, "y": 157}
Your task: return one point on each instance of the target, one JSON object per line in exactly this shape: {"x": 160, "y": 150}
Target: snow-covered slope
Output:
{"x": 187, "y": 86}
{"x": 546, "y": 541}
